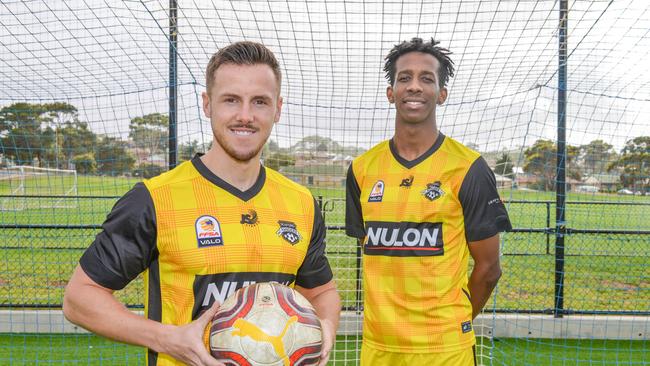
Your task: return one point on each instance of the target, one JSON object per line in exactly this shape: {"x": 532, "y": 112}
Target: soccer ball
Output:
{"x": 266, "y": 324}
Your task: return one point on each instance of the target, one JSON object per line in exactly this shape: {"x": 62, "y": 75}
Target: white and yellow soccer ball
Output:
{"x": 266, "y": 324}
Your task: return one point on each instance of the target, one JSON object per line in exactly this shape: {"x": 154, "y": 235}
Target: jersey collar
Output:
{"x": 213, "y": 178}
{"x": 411, "y": 163}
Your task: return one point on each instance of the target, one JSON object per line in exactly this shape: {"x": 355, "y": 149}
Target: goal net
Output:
{"x": 89, "y": 83}
{"x": 28, "y": 187}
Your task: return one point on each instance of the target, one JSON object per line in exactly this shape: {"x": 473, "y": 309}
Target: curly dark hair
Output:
{"x": 445, "y": 70}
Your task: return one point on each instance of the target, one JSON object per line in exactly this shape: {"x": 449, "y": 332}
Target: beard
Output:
{"x": 239, "y": 156}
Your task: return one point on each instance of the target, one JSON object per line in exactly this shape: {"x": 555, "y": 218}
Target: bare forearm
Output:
{"x": 327, "y": 303}
{"x": 97, "y": 310}
{"x": 328, "y": 307}
{"x": 482, "y": 282}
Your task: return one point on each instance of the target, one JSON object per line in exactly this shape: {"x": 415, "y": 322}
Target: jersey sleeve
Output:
{"x": 126, "y": 245}
{"x": 315, "y": 269}
{"x": 485, "y": 214}
{"x": 354, "y": 225}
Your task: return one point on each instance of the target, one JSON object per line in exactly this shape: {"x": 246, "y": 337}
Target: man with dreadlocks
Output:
{"x": 420, "y": 204}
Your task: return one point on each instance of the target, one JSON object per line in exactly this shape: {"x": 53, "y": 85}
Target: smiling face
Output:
{"x": 416, "y": 90}
{"x": 243, "y": 104}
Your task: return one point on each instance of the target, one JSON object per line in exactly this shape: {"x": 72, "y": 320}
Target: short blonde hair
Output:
{"x": 242, "y": 53}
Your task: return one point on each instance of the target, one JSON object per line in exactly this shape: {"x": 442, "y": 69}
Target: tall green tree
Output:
{"x": 573, "y": 167}
{"x": 55, "y": 116}
{"x": 76, "y": 139}
{"x": 541, "y": 160}
{"x": 276, "y": 160}
{"x": 187, "y": 150}
{"x": 317, "y": 143}
{"x": 112, "y": 156}
{"x": 28, "y": 131}
{"x": 85, "y": 163}
{"x": 634, "y": 164}
{"x": 596, "y": 156}
{"x": 150, "y": 132}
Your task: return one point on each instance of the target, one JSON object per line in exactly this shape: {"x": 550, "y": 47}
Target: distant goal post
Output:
{"x": 24, "y": 187}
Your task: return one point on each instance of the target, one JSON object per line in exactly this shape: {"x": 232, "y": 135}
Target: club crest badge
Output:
{"x": 289, "y": 232}
{"x": 433, "y": 191}
{"x": 208, "y": 231}
{"x": 377, "y": 192}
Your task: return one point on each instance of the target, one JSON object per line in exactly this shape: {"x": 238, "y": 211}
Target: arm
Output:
{"x": 121, "y": 251}
{"x": 485, "y": 216}
{"x": 486, "y": 272}
{"x": 95, "y": 308}
{"x": 327, "y": 303}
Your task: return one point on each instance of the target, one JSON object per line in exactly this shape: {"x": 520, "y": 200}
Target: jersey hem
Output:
{"x": 384, "y": 348}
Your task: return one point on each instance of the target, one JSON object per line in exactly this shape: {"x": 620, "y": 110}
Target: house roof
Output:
{"x": 501, "y": 178}
{"x": 603, "y": 179}
{"x": 315, "y": 169}
{"x": 526, "y": 178}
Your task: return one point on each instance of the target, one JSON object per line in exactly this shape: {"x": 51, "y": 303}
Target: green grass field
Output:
{"x": 604, "y": 272}
{"x": 85, "y": 349}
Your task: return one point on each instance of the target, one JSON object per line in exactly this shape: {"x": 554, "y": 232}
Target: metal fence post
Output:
{"x": 173, "y": 43}
{"x": 560, "y": 192}
{"x": 548, "y": 225}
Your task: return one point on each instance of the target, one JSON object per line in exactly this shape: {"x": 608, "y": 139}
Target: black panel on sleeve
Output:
{"x": 485, "y": 214}
{"x": 315, "y": 269}
{"x": 354, "y": 225}
{"x": 127, "y": 243}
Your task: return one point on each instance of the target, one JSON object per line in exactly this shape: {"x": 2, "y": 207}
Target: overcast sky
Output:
{"x": 110, "y": 59}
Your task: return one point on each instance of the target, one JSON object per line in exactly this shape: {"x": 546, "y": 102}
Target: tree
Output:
{"x": 30, "y": 132}
{"x": 148, "y": 170}
{"x": 76, "y": 139}
{"x": 276, "y": 160}
{"x": 112, "y": 156}
{"x": 187, "y": 150}
{"x": 595, "y": 156}
{"x": 317, "y": 143}
{"x": 541, "y": 160}
{"x": 634, "y": 164}
{"x": 504, "y": 166}
{"x": 59, "y": 113}
{"x": 85, "y": 163}
{"x": 573, "y": 168}
{"x": 24, "y": 136}
{"x": 273, "y": 146}
{"x": 150, "y": 132}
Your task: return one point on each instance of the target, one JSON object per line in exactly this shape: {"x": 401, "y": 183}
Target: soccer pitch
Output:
{"x": 601, "y": 271}
{"x": 88, "y": 349}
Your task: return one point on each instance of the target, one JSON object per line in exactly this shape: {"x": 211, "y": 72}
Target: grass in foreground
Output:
{"x": 86, "y": 349}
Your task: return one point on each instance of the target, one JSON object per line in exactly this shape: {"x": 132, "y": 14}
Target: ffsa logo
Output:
{"x": 208, "y": 231}
{"x": 404, "y": 239}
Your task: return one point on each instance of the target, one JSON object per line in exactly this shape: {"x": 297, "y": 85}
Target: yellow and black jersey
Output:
{"x": 198, "y": 239}
{"x": 415, "y": 220}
